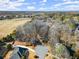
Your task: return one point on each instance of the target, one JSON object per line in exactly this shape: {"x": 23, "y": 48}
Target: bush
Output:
{"x": 9, "y": 46}
{"x": 9, "y": 38}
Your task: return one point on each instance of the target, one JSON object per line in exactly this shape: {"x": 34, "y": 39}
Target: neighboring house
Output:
{"x": 19, "y": 52}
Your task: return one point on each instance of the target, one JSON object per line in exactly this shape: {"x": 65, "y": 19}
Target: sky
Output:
{"x": 39, "y": 5}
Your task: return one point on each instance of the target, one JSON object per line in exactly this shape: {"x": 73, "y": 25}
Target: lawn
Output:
{"x": 7, "y": 26}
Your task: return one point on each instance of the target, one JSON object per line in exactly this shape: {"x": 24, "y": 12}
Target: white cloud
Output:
{"x": 11, "y": 5}
{"x": 41, "y": 8}
{"x": 68, "y": 2}
{"x": 30, "y": 7}
{"x": 67, "y": 5}
{"x": 7, "y": 1}
{"x": 64, "y": 0}
{"x": 15, "y": 5}
{"x": 72, "y": 7}
{"x": 67, "y": 8}
{"x": 7, "y": 7}
{"x": 19, "y": 0}
{"x": 44, "y": 1}
{"x": 4, "y": 1}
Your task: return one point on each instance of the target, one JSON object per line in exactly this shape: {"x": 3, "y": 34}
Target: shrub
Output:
{"x": 9, "y": 38}
{"x": 9, "y": 46}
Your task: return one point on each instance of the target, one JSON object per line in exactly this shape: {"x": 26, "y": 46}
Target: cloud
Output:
{"x": 66, "y": 5}
{"x": 68, "y": 2}
{"x": 45, "y": 9}
{"x": 11, "y": 5}
{"x": 67, "y": 8}
{"x": 7, "y": 1}
{"x": 41, "y": 8}
{"x": 20, "y": 0}
{"x": 42, "y": 5}
{"x": 4, "y": 1}
{"x": 72, "y": 7}
{"x": 30, "y": 7}
{"x": 16, "y": 5}
{"x": 44, "y": 0}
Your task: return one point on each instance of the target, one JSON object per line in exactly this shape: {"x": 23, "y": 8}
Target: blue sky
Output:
{"x": 39, "y": 5}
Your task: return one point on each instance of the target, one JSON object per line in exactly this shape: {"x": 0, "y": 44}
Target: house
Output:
{"x": 19, "y": 52}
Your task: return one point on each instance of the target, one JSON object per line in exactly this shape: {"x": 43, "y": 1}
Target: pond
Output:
{"x": 41, "y": 51}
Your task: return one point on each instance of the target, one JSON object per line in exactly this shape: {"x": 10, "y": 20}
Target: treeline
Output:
{"x": 3, "y": 17}
{"x": 54, "y": 15}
